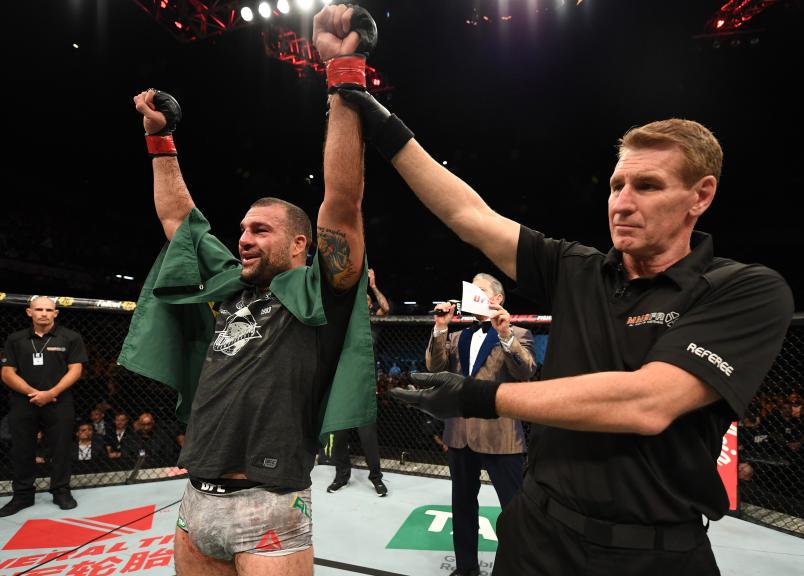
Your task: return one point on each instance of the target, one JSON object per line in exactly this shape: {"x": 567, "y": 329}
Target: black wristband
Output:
{"x": 479, "y": 398}
{"x": 391, "y": 137}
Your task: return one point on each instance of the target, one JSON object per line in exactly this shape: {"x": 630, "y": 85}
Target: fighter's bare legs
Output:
{"x": 296, "y": 564}
{"x": 190, "y": 562}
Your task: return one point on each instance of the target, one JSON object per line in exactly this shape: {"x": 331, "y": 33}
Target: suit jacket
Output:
{"x": 128, "y": 444}
{"x": 451, "y": 352}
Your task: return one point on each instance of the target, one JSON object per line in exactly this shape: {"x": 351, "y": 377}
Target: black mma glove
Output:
{"x": 387, "y": 133}
{"x": 349, "y": 70}
{"x": 362, "y": 23}
{"x": 449, "y": 395}
{"x": 161, "y": 143}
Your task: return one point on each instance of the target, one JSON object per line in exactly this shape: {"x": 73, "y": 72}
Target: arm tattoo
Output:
{"x": 336, "y": 254}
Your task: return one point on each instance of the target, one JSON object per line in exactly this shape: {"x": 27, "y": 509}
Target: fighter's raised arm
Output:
{"x": 160, "y": 114}
{"x": 341, "y": 242}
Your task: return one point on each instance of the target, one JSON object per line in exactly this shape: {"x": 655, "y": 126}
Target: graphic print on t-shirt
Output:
{"x": 240, "y": 327}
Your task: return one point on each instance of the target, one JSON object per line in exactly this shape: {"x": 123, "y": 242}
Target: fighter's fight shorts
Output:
{"x": 233, "y": 516}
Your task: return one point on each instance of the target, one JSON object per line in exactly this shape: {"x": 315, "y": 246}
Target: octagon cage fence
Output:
{"x": 770, "y": 454}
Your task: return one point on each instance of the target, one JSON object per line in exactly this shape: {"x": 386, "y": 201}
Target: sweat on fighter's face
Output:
{"x": 651, "y": 211}
{"x": 266, "y": 246}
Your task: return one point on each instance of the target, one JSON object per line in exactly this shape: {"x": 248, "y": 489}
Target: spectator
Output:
{"x": 99, "y": 423}
{"x": 795, "y": 403}
{"x": 181, "y": 432}
{"x": 380, "y": 306}
{"x": 152, "y": 442}
{"x": 787, "y": 431}
{"x": 750, "y": 434}
{"x": 88, "y": 446}
{"x": 121, "y": 442}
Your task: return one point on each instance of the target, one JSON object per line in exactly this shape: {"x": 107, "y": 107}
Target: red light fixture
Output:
{"x": 734, "y": 13}
{"x": 195, "y": 20}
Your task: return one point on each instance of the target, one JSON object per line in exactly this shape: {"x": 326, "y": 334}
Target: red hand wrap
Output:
{"x": 160, "y": 145}
{"x": 349, "y": 69}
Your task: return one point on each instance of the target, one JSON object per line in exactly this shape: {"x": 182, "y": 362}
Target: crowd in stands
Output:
{"x": 771, "y": 458}
{"x": 107, "y": 441}
{"x": 114, "y": 431}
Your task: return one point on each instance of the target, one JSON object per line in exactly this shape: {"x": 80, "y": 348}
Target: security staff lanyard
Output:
{"x": 38, "y": 356}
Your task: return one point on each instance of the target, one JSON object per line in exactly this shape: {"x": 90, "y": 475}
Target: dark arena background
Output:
{"x": 523, "y": 99}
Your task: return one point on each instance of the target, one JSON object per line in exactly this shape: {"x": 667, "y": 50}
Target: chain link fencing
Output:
{"x": 771, "y": 456}
{"x": 150, "y": 446}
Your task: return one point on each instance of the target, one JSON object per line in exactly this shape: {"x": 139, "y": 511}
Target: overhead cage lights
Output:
{"x": 194, "y": 20}
{"x": 265, "y": 9}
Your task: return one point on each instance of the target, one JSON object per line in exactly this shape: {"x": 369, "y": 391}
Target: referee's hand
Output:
{"x": 449, "y": 395}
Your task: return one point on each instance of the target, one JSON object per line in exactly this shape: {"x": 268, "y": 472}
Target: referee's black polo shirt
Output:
{"x": 60, "y": 347}
{"x": 725, "y": 330}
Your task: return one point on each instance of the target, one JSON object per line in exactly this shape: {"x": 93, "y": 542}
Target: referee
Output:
{"x": 40, "y": 365}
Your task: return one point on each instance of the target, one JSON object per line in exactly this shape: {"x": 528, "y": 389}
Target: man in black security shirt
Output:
{"x": 655, "y": 347}
{"x": 40, "y": 364}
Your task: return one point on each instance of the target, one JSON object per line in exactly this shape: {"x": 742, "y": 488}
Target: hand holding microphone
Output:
{"x": 438, "y": 312}
{"x": 442, "y": 314}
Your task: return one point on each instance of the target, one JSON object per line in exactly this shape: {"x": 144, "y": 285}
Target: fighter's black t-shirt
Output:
{"x": 721, "y": 321}
{"x": 258, "y": 405}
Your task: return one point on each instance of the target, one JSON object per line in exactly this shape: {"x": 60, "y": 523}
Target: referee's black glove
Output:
{"x": 387, "y": 133}
{"x": 448, "y": 395}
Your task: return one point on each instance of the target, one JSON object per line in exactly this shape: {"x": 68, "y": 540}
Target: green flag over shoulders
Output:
{"x": 174, "y": 323}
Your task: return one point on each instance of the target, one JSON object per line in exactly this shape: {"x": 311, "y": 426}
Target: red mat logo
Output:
{"x": 69, "y": 532}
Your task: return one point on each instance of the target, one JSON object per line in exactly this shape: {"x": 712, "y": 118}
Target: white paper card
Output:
{"x": 474, "y": 301}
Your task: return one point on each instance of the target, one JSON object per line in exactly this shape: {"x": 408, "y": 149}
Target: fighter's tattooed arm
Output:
{"x": 341, "y": 242}
{"x": 336, "y": 255}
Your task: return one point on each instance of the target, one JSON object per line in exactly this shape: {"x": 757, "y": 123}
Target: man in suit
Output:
{"x": 491, "y": 349}
{"x": 88, "y": 446}
{"x": 121, "y": 442}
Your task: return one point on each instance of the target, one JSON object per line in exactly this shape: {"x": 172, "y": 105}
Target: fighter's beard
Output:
{"x": 261, "y": 274}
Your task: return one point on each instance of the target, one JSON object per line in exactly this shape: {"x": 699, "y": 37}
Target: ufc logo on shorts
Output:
{"x": 207, "y": 487}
